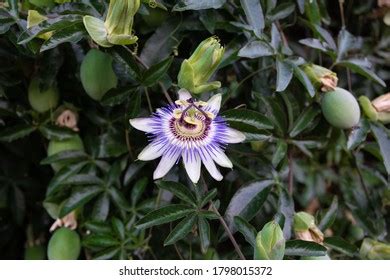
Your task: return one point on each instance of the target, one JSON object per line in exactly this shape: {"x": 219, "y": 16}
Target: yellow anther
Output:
{"x": 177, "y": 113}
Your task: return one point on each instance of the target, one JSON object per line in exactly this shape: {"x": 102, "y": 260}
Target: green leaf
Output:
{"x": 284, "y": 73}
{"x": 330, "y": 215}
{"x": 52, "y": 24}
{"x": 358, "y": 134}
{"x": 247, "y": 230}
{"x": 65, "y": 156}
{"x": 107, "y": 254}
{"x": 118, "y": 228}
{"x": 304, "y": 79}
{"x": 345, "y": 42}
{"x": 315, "y": 44}
{"x": 70, "y": 34}
{"x": 55, "y": 132}
{"x": 10, "y": 134}
{"x": 256, "y": 49}
{"x": 62, "y": 175}
{"x": 247, "y": 118}
{"x": 138, "y": 189}
{"x": 209, "y": 196}
{"x": 164, "y": 215}
{"x": 79, "y": 197}
{"x": 101, "y": 208}
{"x": 181, "y": 230}
{"x": 280, "y": 152}
{"x": 100, "y": 241}
{"x": 281, "y": 11}
{"x": 178, "y": 190}
{"x": 184, "y": 5}
{"x": 254, "y": 15}
{"x": 118, "y": 199}
{"x": 247, "y": 201}
{"x": 131, "y": 171}
{"x": 82, "y": 179}
{"x": 304, "y": 120}
{"x": 204, "y": 234}
{"x": 156, "y": 72}
{"x": 339, "y": 244}
{"x": 382, "y": 136}
{"x": 116, "y": 96}
{"x": 127, "y": 57}
{"x": 356, "y": 66}
{"x": 304, "y": 248}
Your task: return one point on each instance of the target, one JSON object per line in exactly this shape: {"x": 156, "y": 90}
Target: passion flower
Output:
{"x": 189, "y": 129}
{"x": 196, "y": 71}
{"x": 97, "y": 75}
{"x": 340, "y": 108}
{"x": 42, "y": 100}
{"x": 64, "y": 245}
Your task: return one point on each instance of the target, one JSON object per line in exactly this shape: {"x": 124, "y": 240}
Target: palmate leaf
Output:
{"x": 181, "y": 229}
{"x": 247, "y": 201}
{"x": 164, "y": 215}
{"x": 178, "y": 190}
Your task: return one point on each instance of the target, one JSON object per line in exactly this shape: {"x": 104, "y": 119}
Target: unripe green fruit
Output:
{"x": 64, "y": 245}
{"x": 36, "y": 252}
{"x": 356, "y": 233}
{"x": 155, "y": 17}
{"x": 42, "y": 101}
{"x": 97, "y": 75}
{"x": 340, "y": 108}
{"x": 43, "y": 3}
{"x": 57, "y": 146}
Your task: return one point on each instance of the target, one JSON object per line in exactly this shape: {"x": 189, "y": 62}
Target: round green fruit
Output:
{"x": 155, "y": 17}
{"x": 64, "y": 245}
{"x": 340, "y": 108}
{"x": 36, "y": 252}
{"x": 57, "y": 146}
{"x": 42, "y": 101}
{"x": 97, "y": 75}
{"x": 356, "y": 233}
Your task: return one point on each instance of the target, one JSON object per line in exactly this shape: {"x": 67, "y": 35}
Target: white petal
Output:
{"x": 184, "y": 94}
{"x": 143, "y": 124}
{"x": 220, "y": 158}
{"x": 166, "y": 163}
{"x": 211, "y": 168}
{"x": 151, "y": 151}
{"x": 234, "y": 136}
{"x": 192, "y": 164}
{"x": 214, "y": 103}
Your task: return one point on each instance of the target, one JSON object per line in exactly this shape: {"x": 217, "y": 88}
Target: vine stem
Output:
{"x": 290, "y": 173}
{"x": 225, "y": 226}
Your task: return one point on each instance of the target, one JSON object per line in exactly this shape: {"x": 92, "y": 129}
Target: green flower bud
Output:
{"x": 368, "y": 109}
{"x": 374, "y": 250}
{"x": 270, "y": 243}
{"x": 340, "y": 108}
{"x": 117, "y": 28}
{"x": 321, "y": 77}
{"x": 198, "y": 69}
{"x": 306, "y": 229}
{"x": 377, "y": 109}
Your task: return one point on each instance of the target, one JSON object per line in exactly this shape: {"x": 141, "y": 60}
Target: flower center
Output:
{"x": 192, "y": 123}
